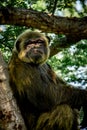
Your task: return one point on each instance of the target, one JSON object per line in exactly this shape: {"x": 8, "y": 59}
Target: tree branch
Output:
{"x": 74, "y": 28}
{"x": 61, "y": 43}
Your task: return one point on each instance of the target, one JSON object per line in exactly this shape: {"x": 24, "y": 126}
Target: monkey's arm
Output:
{"x": 78, "y": 99}
{"x": 65, "y": 93}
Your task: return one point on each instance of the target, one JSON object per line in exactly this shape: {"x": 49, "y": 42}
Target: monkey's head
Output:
{"x": 32, "y": 47}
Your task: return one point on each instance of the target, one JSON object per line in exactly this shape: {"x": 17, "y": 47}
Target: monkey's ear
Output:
{"x": 48, "y": 38}
{"x": 18, "y": 45}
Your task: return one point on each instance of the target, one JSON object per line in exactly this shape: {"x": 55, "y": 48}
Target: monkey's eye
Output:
{"x": 28, "y": 42}
{"x": 40, "y": 41}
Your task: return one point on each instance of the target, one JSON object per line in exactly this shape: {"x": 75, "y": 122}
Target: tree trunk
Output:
{"x": 10, "y": 117}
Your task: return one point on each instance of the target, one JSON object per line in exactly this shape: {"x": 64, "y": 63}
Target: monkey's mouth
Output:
{"x": 34, "y": 54}
{"x": 36, "y": 51}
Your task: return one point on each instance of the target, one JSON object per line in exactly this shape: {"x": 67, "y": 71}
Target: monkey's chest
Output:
{"x": 39, "y": 91}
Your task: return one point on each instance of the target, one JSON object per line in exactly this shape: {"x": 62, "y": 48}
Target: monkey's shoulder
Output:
{"x": 47, "y": 73}
{"x": 52, "y": 75}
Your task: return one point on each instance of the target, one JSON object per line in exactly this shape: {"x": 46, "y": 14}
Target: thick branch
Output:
{"x": 74, "y": 28}
{"x": 61, "y": 43}
{"x": 10, "y": 117}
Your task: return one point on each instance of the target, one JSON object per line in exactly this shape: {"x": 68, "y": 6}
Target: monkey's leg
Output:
{"x": 61, "y": 118}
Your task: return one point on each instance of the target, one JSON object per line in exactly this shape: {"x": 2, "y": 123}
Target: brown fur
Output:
{"x": 46, "y": 102}
{"x": 61, "y": 118}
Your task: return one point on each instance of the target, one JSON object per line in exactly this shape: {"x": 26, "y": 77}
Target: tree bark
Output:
{"x": 10, "y": 117}
{"x": 74, "y": 28}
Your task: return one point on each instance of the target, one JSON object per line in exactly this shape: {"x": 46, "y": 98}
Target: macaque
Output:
{"x": 46, "y": 101}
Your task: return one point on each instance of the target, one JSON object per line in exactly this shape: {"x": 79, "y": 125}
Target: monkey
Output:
{"x": 45, "y": 100}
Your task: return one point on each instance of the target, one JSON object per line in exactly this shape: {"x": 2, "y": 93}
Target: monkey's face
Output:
{"x": 32, "y": 47}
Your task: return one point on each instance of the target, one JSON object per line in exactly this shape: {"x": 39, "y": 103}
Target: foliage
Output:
{"x": 71, "y": 64}
{"x": 7, "y": 37}
{"x": 51, "y": 6}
